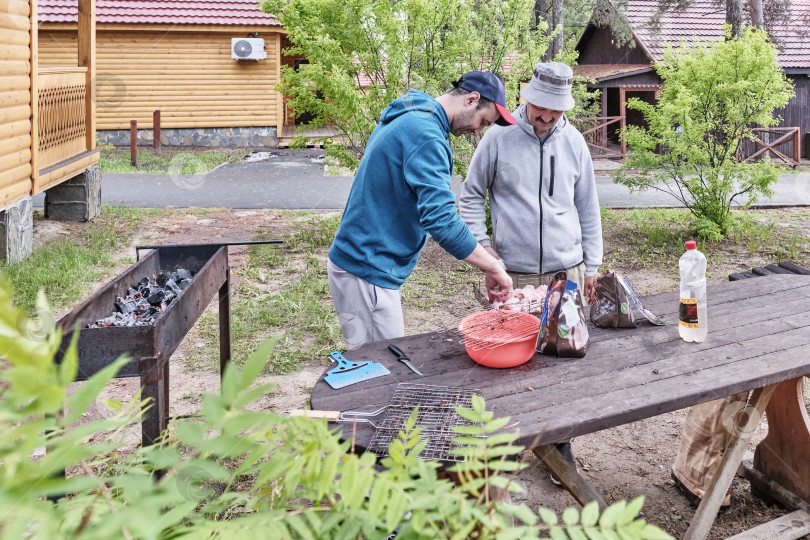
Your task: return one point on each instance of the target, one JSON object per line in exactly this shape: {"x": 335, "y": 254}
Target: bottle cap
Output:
{"x": 691, "y": 244}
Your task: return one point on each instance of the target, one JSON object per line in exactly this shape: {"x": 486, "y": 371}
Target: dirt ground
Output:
{"x": 621, "y": 463}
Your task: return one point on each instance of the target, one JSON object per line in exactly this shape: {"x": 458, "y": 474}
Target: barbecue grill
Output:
{"x": 437, "y": 417}
{"x": 150, "y": 347}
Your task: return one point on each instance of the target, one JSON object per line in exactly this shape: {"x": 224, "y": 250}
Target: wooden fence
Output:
{"x": 778, "y": 143}
{"x": 595, "y": 131}
{"x": 62, "y": 98}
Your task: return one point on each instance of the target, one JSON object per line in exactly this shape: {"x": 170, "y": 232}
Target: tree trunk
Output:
{"x": 556, "y": 24}
{"x": 757, "y": 16}
{"x": 734, "y": 16}
{"x": 540, "y": 12}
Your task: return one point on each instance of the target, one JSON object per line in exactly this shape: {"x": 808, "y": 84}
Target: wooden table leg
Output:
{"x": 568, "y": 476}
{"x": 784, "y": 455}
{"x": 744, "y": 427}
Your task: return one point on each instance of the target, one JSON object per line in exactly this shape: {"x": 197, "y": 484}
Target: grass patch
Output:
{"x": 284, "y": 293}
{"x": 69, "y": 266}
{"x": 168, "y": 161}
{"x": 654, "y": 238}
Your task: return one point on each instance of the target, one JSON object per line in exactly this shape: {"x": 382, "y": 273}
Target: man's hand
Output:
{"x": 590, "y": 288}
{"x": 498, "y": 282}
{"x": 498, "y": 277}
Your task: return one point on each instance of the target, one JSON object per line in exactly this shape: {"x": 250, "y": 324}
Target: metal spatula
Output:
{"x": 347, "y": 372}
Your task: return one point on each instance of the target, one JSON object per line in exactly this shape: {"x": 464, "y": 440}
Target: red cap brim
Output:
{"x": 506, "y": 118}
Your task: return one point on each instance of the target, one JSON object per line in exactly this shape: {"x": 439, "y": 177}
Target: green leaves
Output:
{"x": 231, "y": 472}
{"x": 363, "y": 54}
{"x": 619, "y": 521}
{"x": 713, "y": 96}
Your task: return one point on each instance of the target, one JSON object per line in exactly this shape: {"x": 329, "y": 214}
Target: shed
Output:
{"x": 623, "y": 71}
{"x": 47, "y": 125}
{"x": 175, "y": 56}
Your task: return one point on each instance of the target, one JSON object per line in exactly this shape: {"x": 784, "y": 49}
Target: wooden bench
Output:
{"x": 779, "y": 268}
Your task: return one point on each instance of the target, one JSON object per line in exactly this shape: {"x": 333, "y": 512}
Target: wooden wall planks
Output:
{"x": 15, "y": 102}
{"x": 189, "y": 76}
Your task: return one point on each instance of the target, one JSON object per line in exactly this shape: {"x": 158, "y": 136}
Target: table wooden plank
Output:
{"x": 444, "y": 361}
{"x": 759, "y": 334}
{"x": 543, "y": 424}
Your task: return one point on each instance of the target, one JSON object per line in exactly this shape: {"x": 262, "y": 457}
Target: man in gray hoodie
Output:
{"x": 542, "y": 192}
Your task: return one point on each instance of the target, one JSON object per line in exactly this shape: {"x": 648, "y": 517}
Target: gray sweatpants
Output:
{"x": 365, "y": 311}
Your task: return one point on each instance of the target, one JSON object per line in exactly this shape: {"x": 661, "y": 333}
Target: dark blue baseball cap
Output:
{"x": 488, "y": 86}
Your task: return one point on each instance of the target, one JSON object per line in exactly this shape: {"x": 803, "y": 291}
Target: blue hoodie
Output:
{"x": 401, "y": 193}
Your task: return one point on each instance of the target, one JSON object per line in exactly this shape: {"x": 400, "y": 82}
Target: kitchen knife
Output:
{"x": 402, "y": 357}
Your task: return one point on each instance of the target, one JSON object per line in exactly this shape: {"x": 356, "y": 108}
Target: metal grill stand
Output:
{"x": 150, "y": 347}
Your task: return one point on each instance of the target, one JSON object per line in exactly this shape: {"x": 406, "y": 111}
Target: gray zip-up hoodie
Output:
{"x": 542, "y": 196}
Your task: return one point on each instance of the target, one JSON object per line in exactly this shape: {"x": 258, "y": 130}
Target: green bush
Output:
{"x": 712, "y": 97}
{"x": 240, "y": 473}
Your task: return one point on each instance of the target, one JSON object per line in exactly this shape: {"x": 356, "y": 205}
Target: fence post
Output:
{"x": 624, "y": 143}
{"x": 133, "y": 142}
{"x": 156, "y": 130}
{"x": 797, "y": 149}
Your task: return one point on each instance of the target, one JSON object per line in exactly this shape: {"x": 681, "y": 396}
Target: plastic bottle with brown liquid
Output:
{"x": 692, "y": 323}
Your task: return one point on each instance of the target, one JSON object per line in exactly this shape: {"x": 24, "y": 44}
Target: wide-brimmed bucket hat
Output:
{"x": 550, "y": 87}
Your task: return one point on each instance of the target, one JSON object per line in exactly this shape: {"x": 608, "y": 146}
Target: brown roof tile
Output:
{"x": 220, "y": 12}
{"x": 703, "y": 21}
{"x": 599, "y": 71}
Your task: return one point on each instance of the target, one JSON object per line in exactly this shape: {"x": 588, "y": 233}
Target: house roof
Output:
{"x": 220, "y": 12}
{"x": 608, "y": 71}
{"x": 703, "y": 21}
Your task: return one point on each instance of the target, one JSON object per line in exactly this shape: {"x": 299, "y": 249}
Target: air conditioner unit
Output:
{"x": 247, "y": 49}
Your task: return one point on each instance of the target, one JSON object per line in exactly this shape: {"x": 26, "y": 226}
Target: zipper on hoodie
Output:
{"x": 540, "y": 191}
{"x": 540, "y": 201}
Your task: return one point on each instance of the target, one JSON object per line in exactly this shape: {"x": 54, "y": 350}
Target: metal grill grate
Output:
{"x": 437, "y": 416}
{"x": 494, "y": 328}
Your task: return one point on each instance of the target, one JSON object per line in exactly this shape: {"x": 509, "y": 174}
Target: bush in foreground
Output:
{"x": 238, "y": 473}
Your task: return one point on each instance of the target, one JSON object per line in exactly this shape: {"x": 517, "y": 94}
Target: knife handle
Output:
{"x": 397, "y": 351}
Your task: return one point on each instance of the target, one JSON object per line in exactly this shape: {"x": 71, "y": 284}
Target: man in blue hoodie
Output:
{"x": 400, "y": 195}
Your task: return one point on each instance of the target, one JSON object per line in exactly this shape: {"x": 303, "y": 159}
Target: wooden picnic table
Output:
{"x": 759, "y": 337}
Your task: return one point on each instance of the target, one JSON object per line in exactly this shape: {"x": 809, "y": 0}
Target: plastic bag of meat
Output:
{"x": 613, "y": 306}
{"x": 563, "y": 327}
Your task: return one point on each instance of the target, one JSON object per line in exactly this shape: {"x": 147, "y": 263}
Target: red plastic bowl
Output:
{"x": 500, "y": 339}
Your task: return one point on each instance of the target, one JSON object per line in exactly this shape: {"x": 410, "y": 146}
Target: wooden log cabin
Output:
{"x": 623, "y": 71}
{"x": 176, "y": 57}
{"x": 47, "y": 118}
